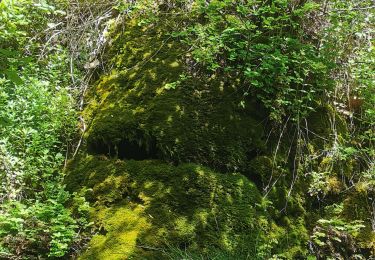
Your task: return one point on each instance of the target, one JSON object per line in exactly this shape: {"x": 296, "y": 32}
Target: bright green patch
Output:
{"x": 141, "y": 208}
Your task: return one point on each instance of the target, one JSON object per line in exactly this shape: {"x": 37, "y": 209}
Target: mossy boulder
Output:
{"x": 151, "y": 106}
{"x": 142, "y": 208}
{"x": 149, "y": 115}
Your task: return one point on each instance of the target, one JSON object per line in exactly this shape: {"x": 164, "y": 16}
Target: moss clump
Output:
{"x": 263, "y": 168}
{"x": 151, "y": 106}
{"x": 323, "y": 124}
{"x": 359, "y": 205}
{"x": 287, "y": 205}
{"x": 142, "y": 208}
{"x": 119, "y": 229}
{"x": 151, "y": 101}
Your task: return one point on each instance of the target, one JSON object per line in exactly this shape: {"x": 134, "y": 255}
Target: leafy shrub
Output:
{"x": 336, "y": 238}
{"x": 37, "y": 123}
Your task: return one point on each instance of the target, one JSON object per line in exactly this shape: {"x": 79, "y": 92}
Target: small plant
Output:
{"x": 336, "y": 237}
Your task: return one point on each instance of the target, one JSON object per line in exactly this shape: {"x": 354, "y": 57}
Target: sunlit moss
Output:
{"x": 145, "y": 101}
{"x": 121, "y": 226}
{"x": 150, "y": 204}
{"x": 131, "y": 103}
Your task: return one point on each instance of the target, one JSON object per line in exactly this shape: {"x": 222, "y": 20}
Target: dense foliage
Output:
{"x": 37, "y": 120}
{"x": 279, "y": 91}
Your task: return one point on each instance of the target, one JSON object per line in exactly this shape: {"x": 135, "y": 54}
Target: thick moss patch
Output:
{"x": 150, "y": 100}
{"x": 151, "y": 110}
{"x": 142, "y": 208}
{"x": 325, "y": 125}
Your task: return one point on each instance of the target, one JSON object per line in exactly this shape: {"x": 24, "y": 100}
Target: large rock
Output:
{"x": 151, "y": 106}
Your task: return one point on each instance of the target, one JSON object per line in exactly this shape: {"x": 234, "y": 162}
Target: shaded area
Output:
{"x": 125, "y": 149}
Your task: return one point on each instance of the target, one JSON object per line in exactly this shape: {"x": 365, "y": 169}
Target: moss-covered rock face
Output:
{"x": 141, "y": 208}
{"x": 149, "y": 106}
{"x": 149, "y": 111}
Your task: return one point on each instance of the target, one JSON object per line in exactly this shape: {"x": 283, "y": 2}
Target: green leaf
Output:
{"x": 13, "y": 76}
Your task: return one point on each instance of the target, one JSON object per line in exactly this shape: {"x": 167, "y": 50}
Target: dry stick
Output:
{"x": 274, "y": 161}
{"x": 294, "y": 162}
{"x": 82, "y": 122}
{"x": 294, "y": 171}
{"x": 100, "y": 42}
{"x": 66, "y": 155}
{"x": 72, "y": 70}
{"x": 150, "y": 248}
{"x": 353, "y": 9}
{"x": 319, "y": 136}
{"x": 46, "y": 44}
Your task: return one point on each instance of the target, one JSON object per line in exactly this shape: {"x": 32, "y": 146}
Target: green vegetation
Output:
{"x": 37, "y": 122}
{"x": 146, "y": 207}
{"x": 187, "y": 129}
{"x": 134, "y": 105}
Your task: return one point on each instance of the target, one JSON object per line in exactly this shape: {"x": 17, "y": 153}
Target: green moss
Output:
{"x": 199, "y": 121}
{"x": 323, "y": 124}
{"x": 287, "y": 206}
{"x": 290, "y": 238}
{"x": 143, "y": 207}
{"x": 358, "y": 205}
{"x": 262, "y": 167}
{"x": 121, "y": 226}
